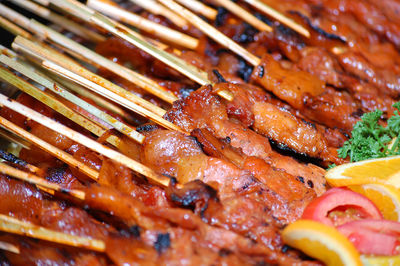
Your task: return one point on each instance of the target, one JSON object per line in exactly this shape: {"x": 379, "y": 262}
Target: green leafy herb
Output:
{"x": 371, "y": 140}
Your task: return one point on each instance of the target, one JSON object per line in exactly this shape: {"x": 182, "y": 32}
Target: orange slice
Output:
{"x": 385, "y": 197}
{"x": 377, "y": 171}
{"x": 322, "y": 242}
{"x": 380, "y": 260}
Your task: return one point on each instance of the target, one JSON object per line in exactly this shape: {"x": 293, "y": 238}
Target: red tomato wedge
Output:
{"x": 319, "y": 209}
{"x": 373, "y": 237}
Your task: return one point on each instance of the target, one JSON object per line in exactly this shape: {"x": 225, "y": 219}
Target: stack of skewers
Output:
{"x": 181, "y": 132}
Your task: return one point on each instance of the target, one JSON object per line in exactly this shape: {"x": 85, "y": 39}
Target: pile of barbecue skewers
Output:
{"x": 181, "y": 132}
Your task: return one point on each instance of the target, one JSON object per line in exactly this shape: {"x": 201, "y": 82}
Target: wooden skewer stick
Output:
{"x": 95, "y": 83}
{"x": 42, "y": 2}
{"x": 38, "y": 181}
{"x": 13, "y": 29}
{"x": 98, "y": 60}
{"x": 212, "y": 32}
{"x": 55, "y": 104}
{"x": 15, "y": 226}
{"x": 100, "y": 101}
{"x": 60, "y": 20}
{"x": 155, "y": 8}
{"x": 56, "y": 152}
{"x": 279, "y": 16}
{"x": 120, "y": 126}
{"x": 14, "y": 16}
{"x": 11, "y": 137}
{"x": 85, "y": 13}
{"x": 9, "y": 247}
{"x": 83, "y": 140}
{"x": 165, "y": 33}
{"x": 200, "y": 8}
{"x": 10, "y": 53}
{"x": 42, "y": 54}
{"x": 244, "y": 14}
{"x": 106, "y": 93}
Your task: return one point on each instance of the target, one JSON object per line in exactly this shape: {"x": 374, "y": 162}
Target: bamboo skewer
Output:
{"x": 98, "y": 60}
{"x": 9, "y": 247}
{"x": 155, "y": 8}
{"x": 60, "y": 20}
{"x": 165, "y": 33}
{"x": 88, "y": 55}
{"x": 85, "y": 13}
{"x": 38, "y": 181}
{"x": 83, "y": 140}
{"x": 87, "y": 94}
{"x": 244, "y": 14}
{"x": 7, "y": 52}
{"x": 106, "y": 93}
{"x": 13, "y": 29}
{"x": 11, "y": 137}
{"x": 42, "y": 2}
{"x": 53, "y": 103}
{"x": 14, "y": 16}
{"x": 200, "y": 8}
{"x": 121, "y": 127}
{"x": 279, "y": 16}
{"x": 15, "y": 226}
{"x": 212, "y": 32}
{"x": 102, "y": 85}
{"x": 56, "y": 152}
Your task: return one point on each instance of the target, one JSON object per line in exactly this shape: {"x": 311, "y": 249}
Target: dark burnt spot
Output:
{"x": 289, "y": 36}
{"x": 261, "y": 71}
{"x": 12, "y": 158}
{"x": 228, "y": 140}
{"x": 194, "y": 194}
{"x": 247, "y": 35}
{"x": 245, "y": 70}
{"x": 263, "y": 19}
{"x": 308, "y": 123}
{"x": 222, "y": 51}
{"x": 358, "y": 113}
{"x": 221, "y": 16}
{"x": 133, "y": 231}
{"x": 287, "y": 151}
{"x": 65, "y": 253}
{"x": 320, "y": 31}
{"x": 65, "y": 190}
{"x": 223, "y": 252}
{"x": 56, "y": 174}
{"x": 220, "y": 78}
{"x": 285, "y": 248}
{"x": 162, "y": 243}
{"x": 310, "y": 183}
{"x": 301, "y": 179}
{"x": 146, "y": 128}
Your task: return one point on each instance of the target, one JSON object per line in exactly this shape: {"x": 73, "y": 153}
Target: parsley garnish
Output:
{"x": 371, "y": 140}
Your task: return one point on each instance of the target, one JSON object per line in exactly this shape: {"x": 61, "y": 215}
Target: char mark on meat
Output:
{"x": 162, "y": 243}
{"x": 194, "y": 195}
{"x": 11, "y": 158}
{"x": 146, "y": 128}
{"x": 320, "y": 31}
{"x": 287, "y": 151}
{"x": 221, "y": 17}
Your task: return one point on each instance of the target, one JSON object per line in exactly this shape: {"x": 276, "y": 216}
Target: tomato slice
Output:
{"x": 373, "y": 237}
{"x": 334, "y": 198}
